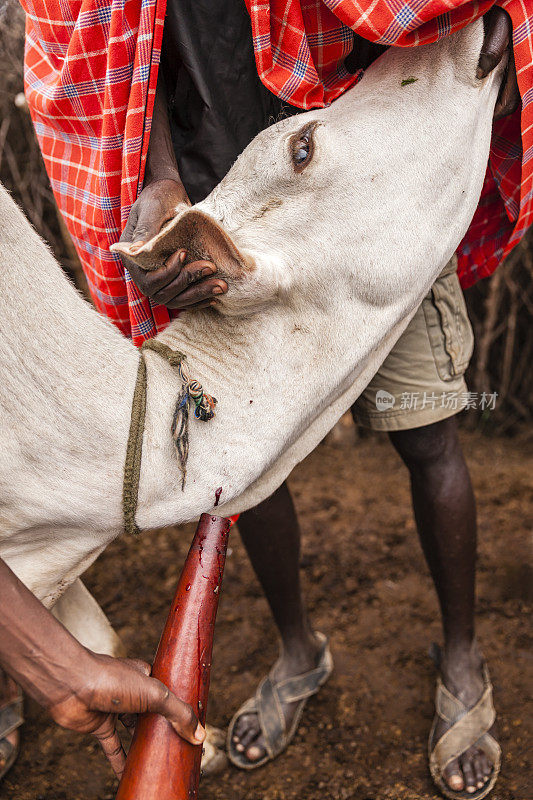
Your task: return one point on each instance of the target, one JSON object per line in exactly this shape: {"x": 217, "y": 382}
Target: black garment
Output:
{"x": 217, "y": 103}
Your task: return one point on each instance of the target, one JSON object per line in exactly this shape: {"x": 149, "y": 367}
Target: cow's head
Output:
{"x": 360, "y": 197}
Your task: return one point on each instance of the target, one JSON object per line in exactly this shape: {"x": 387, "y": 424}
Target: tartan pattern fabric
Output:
{"x": 300, "y": 47}
{"x": 90, "y": 79}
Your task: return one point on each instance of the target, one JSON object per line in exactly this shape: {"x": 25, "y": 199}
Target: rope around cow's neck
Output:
{"x": 191, "y": 392}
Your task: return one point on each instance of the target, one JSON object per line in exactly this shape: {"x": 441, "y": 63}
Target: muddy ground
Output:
{"x": 364, "y": 736}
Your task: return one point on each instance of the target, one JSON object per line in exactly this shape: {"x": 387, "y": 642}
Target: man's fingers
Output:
{"x": 179, "y": 714}
{"x": 176, "y": 261}
{"x": 196, "y": 282}
{"x": 204, "y": 291}
{"x": 151, "y": 282}
{"x": 498, "y": 31}
{"x": 111, "y": 745}
{"x": 188, "y": 274}
{"x": 130, "y": 720}
{"x": 174, "y": 278}
{"x": 498, "y": 37}
{"x": 142, "y": 694}
{"x": 204, "y": 304}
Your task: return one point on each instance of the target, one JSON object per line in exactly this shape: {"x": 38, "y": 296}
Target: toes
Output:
{"x": 481, "y": 767}
{"x": 243, "y": 725}
{"x": 249, "y": 737}
{"x": 255, "y": 752}
{"x": 456, "y": 782}
{"x": 246, "y": 731}
{"x": 484, "y": 767}
{"x": 454, "y": 777}
{"x": 479, "y": 770}
{"x": 468, "y": 772}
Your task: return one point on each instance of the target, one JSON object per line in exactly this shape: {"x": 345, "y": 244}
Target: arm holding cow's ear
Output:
{"x": 82, "y": 691}
{"x": 173, "y": 285}
{"x": 498, "y": 40}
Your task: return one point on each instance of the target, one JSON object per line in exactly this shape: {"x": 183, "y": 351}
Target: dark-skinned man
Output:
{"x": 209, "y": 105}
{"x": 426, "y": 439}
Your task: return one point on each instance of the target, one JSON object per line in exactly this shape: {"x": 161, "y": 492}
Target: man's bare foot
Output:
{"x": 462, "y": 674}
{"x": 247, "y": 735}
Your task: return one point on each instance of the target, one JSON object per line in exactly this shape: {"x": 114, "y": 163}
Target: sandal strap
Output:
{"x": 271, "y": 697}
{"x": 300, "y": 687}
{"x": 271, "y": 718}
{"x": 11, "y": 716}
{"x": 469, "y": 727}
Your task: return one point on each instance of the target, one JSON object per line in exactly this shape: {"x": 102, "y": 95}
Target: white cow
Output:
{"x": 340, "y": 220}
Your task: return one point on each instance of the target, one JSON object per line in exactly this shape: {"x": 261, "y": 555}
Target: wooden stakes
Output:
{"x": 161, "y": 765}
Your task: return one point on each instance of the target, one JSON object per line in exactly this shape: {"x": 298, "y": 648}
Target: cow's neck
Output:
{"x": 257, "y": 368}
{"x": 252, "y": 366}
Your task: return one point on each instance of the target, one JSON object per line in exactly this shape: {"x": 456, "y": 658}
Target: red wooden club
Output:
{"x": 161, "y": 765}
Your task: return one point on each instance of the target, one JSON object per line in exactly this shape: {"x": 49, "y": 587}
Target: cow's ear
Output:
{"x": 197, "y": 233}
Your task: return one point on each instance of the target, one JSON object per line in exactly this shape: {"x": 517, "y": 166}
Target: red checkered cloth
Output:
{"x": 90, "y": 78}
{"x": 300, "y": 48}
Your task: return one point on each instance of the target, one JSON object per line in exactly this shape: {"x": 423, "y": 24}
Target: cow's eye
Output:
{"x": 302, "y": 148}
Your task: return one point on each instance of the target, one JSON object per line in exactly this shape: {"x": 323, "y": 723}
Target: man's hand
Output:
{"x": 174, "y": 285}
{"x": 113, "y": 687}
{"x": 497, "y": 41}
{"x": 82, "y": 691}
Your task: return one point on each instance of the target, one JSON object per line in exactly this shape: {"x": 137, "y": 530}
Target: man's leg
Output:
{"x": 271, "y": 535}
{"x": 423, "y": 380}
{"x": 444, "y": 508}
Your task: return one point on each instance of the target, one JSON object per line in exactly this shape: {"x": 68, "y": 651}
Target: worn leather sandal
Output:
{"x": 268, "y": 705}
{"x": 11, "y": 717}
{"x": 470, "y": 726}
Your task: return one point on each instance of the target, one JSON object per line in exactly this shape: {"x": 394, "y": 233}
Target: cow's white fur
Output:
{"x": 340, "y": 266}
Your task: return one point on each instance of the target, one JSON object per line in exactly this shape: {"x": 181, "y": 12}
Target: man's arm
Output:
{"x": 173, "y": 285}
{"x": 161, "y": 160}
{"x": 81, "y": 690}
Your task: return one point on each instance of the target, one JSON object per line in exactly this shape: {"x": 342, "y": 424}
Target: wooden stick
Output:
{"x": 161, "y": 765}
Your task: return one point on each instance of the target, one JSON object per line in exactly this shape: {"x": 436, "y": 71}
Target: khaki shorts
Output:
{"x": 422, "y": 379}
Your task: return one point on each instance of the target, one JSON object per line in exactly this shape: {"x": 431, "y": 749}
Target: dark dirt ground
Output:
{"x": 364, "y": 736}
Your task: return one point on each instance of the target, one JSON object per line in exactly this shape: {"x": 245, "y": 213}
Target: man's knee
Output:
{"x": 430, "y": 445}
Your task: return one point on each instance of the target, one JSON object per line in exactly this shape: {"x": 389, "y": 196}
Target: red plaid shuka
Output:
{"x": 300, "y": 47}
{"x": 91, "y": 72}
